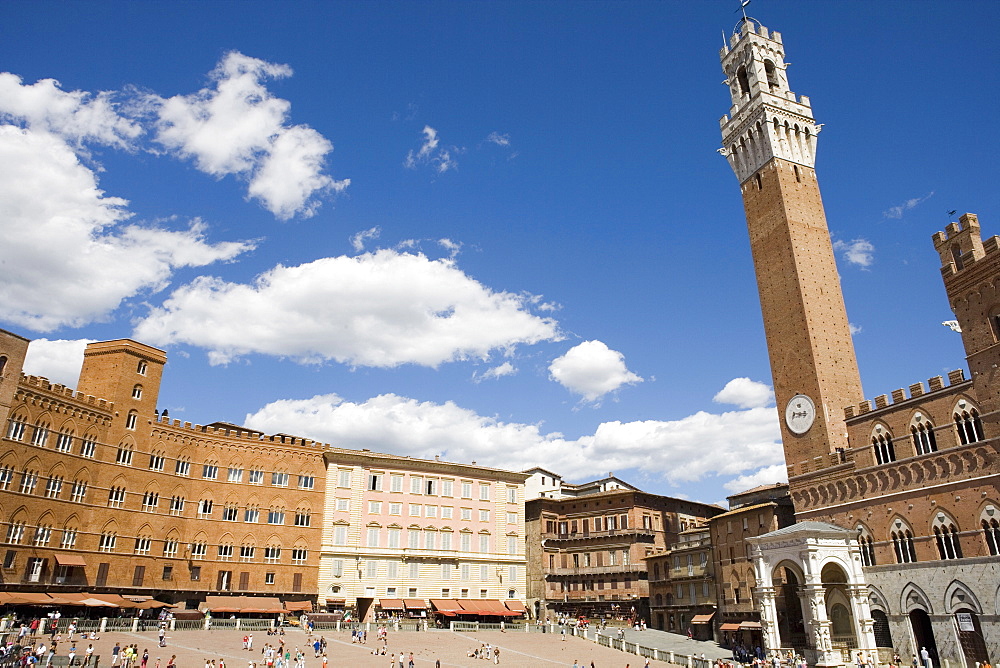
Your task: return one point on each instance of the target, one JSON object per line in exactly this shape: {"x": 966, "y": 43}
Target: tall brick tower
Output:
{"x": 769, "y": 138}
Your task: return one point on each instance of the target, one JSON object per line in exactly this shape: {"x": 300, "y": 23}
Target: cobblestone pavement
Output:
{"x": 522, "y": 650}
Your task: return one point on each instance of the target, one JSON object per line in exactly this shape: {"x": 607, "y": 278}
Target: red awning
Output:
{"x": 729, "y": 627}
{"x": 446, "y": 605}
{"x": 70, "y": 559}
{"x": 391, "y": 603}
{"x": 750, "y": 626}
{"x": 469, "y": 605}
{"x": 702, "y": 619}
{"x": 415, "y": 604}
{"x": 447, "y": 613}
{"x": 515, "y": 606}
{"x": 296, "y": 606}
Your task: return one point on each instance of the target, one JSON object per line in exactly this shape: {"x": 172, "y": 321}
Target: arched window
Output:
{"x": 970, "y": 427}
{"x": 3, "y": 364}
{"x": 902, "y": 543}
{"x": 867, "y": 546}
{"x": 882, "y": 445}
{"x": 772, "y": 75}
{"x": 137, "y": 392}
{"x": 922, "y": 433}
{"x": 946, "y": 535}
{"x": 991, "y": 529}
{"x": 741, "y": 76}
{"x": 131, "y": 420}
{"x": 140, "y": 368}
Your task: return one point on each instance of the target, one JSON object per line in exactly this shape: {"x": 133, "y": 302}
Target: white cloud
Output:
{"x": 745, "y": 393}
{"x": 76, "y": 116}
{"x": 359, "y": 239}
{"x": 430, "y": 153}
{"x": 855, "y": 329}
{"x": 67, "y": 258}
{"x": 768, "y": 475}
{"x": 591, "y": 369}
{"x": 859, "y": 252}
{"x": 688, "y": 449}
{"x": 238, "y": 127}
{"x": 499, "y": 139}
{"x": 898, "y": 210}
{"x": 59, "y": 360}
{"x": 382, "y": 309}
{"x": 505, "y": 369}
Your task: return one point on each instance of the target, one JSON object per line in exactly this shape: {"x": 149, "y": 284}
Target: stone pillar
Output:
{"x": 819, "y": 626}
{"x": 864, "y": 625}
{"x": 768, "y": 618}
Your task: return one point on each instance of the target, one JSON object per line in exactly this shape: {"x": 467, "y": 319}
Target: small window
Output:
{"x": 141, "y": 368}
{"x": 137, "y": 392}
{"x": 131, "y": 420}
{"x": 760, "y": 183}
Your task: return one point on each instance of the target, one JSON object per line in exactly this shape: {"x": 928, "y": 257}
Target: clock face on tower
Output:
{"x": 800, "y": 414}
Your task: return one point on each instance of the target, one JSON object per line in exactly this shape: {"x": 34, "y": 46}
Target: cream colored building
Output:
{"x": 413, "y": 530}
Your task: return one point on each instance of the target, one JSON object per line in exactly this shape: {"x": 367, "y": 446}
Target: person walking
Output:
{"x": 925, "y": 656}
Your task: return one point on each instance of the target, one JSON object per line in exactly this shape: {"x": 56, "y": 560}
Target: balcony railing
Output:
{"x": 597, "y": 570}
{"x": 582, "y": 535}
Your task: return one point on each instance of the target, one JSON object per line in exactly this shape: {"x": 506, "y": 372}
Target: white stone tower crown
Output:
{"x": 767, "y": 120}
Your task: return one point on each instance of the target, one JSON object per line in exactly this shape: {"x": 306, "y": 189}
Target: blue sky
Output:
{"x": 491, "y": 231}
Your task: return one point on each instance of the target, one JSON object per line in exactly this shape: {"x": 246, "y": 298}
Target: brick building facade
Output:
{"x": 99, "y": 492}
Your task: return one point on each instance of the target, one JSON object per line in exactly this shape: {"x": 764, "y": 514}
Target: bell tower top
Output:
{"x": 766, "y": 119}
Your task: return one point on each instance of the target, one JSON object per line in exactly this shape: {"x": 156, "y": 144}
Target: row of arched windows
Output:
{"x": 946, "y": 535}
{"x": 968, "y": 428}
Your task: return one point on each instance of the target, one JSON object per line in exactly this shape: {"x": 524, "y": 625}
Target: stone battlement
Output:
{"x": 956, "y": 377}
{"x": 43, "y": 383}
{"x": 240, "y": 433}
{"x": 960, "y": 245}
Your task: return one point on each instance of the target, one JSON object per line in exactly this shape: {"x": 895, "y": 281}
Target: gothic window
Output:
{"x": 902, "y": 543}
{"x": 882, "y": 445}
{"x": 946, "y": 536}
{"x": 991, "y": 529}
{"x": 922, "y": 433}
{"x": 741, "y": 76}
{"x": 867, "y": 546}
{"x": 970, "y": 427}
{"x": 772, "y": 75}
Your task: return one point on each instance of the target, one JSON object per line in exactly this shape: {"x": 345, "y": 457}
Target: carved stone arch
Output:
{"x": 970, "y": 462}
{"x": 959, "y": 596}
{"x": 852, "y": 486}
{"x": 19, "y": 514}
{"x": 152, "y": 486}
{"x": 795, "y": 568}
{"x": 145, "y": 529}
{"x": 877, "y": 600}
{"x": 33, "y": 463}
{"x": 913, "y": 598}
{"x": 918, "y": 472}
{"x": 273, "y": 539}
{"x": 127, "y": 440}
{"x": 9, "y": 458}
{"x": 173, "y": 533}
{"x": 842, "y": 493}
{"x": 956, "y": 464}
{"x": 72, "y": 519}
